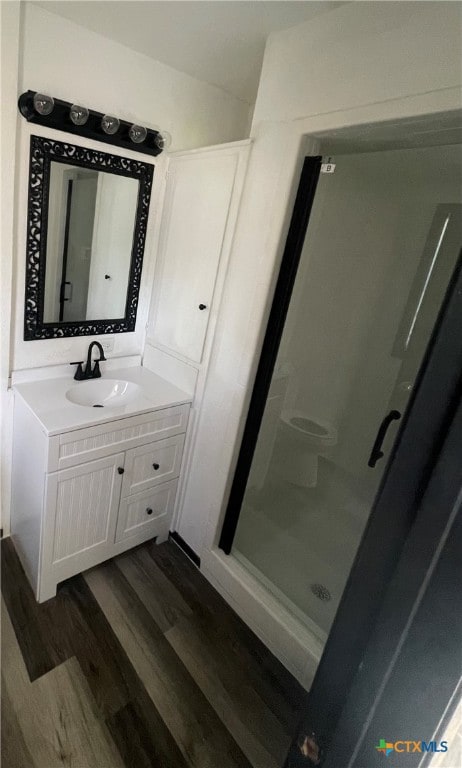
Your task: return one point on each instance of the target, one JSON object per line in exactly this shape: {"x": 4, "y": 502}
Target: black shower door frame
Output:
{"x": 280, "y": 306}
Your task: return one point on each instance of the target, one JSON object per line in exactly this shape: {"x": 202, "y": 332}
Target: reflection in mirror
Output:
{"x": 91, "y": 223}
{"x": 86, "y": 230}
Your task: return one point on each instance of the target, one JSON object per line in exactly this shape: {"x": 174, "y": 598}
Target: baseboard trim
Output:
{"x": 185, "y": 548}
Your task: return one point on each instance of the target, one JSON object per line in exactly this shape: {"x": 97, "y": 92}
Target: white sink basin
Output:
{"x": 103, "y": 393}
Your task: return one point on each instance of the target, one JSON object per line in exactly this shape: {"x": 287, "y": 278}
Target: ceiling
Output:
{"x": 219, "y": 42}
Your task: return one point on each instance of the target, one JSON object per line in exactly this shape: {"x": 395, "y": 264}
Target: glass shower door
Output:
{"x": 383, "y": 240}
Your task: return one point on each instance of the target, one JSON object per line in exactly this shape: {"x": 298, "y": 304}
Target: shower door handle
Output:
{"x": 377, "y": 452}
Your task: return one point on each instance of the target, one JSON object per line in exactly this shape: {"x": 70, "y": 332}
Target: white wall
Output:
{"x": 10, "y": 33}
{"x": 58, "y": 57}
{"x": 361, "y": 63}
{"x": 361, "y": 53}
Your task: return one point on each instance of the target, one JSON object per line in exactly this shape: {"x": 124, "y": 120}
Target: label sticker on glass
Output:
{"x": 327, "y": 167}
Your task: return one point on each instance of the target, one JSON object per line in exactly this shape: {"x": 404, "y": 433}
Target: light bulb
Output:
{"x": 163, "y": 140}
{"x": 110, "y": 124}
{"x": 78, "y": 115}
{"x": 43, "y": 104}
{"x": 137, "y": 133}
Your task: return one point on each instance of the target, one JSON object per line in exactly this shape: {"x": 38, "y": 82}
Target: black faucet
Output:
{"x": 88, "y": 373}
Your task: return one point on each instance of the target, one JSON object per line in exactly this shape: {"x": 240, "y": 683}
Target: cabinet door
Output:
{"x": 81, "y": 508}
{"x": 196, "y": 209}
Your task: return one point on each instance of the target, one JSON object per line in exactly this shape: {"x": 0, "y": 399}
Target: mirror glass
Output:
{"x": 87, "y": 220}
{"x": 91, "y": 221}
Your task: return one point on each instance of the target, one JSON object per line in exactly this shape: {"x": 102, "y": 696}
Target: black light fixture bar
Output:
{"x": 60, "y": 120}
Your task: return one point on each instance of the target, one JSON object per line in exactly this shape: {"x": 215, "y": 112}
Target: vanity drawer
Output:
{"x": 147, "y": 512}
{"x": 84, "y": 445}
{"x": 151, "y": 464}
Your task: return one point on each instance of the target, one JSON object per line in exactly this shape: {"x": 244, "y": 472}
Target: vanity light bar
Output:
{"x": 59, "y": 118}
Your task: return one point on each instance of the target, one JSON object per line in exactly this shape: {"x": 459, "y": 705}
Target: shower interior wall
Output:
{"x": 337, "y": 346}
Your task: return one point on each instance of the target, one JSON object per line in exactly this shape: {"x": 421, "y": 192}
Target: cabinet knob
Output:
{"x": 120, "y": 470}
{"x": 155, "y": 466}
{"x": 149, "y": 511}
{"x": 202, "y": 306}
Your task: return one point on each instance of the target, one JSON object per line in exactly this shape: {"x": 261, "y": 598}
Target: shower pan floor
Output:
{"x": 301, "y": 542}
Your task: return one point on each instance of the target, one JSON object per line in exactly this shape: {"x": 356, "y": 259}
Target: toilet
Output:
{"x": 306, "y": 439}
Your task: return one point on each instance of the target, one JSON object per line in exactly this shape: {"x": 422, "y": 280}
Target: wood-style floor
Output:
{"x": 138, "y": 663}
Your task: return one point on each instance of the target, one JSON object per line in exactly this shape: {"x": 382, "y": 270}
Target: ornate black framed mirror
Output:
{"x": 86, "y": 231}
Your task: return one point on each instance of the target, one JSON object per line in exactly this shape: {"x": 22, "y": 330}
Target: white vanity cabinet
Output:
{"x": 85, "y": 495}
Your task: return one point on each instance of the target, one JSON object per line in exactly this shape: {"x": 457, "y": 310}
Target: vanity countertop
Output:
{"x": 47, "y": 399}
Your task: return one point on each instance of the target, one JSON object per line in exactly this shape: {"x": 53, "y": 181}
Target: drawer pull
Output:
{"x": 120, "y": 470}
{"x": 149, "y": 511}
{"x": 155, "y": 466}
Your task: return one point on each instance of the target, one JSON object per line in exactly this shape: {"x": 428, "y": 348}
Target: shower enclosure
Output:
{"x": 354, "y": 310}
